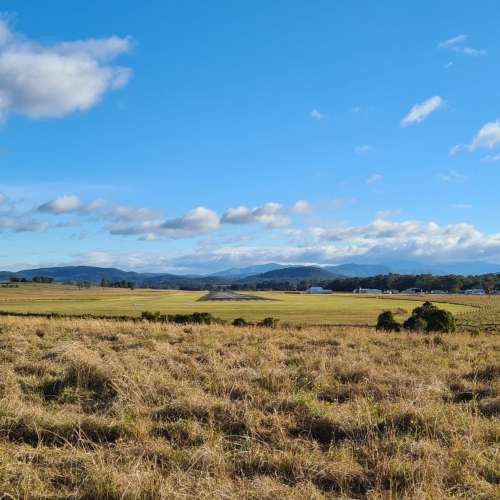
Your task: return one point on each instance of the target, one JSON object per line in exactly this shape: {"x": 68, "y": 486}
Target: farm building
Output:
{"x": 317, "y": 290}
{"x": 367, "y": 290}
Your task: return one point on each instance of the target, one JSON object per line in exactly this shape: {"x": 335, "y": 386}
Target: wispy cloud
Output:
{"x": 455, "y": 45}
{"x": 373, "y": 178}
{"x": 386, "y": 214}
{"x": 488, "y": 137}
{"x": 316, "y": 114}
{"x": 451, "y": 177}
{"x": 448, "y": 65}
{"x": 461, "y": 206}
{"x": 491, "y": 159}
{"x": 3, "y": 198}
{"x": 52, "y": 80}
{"x": 362, "y": 149}
{"x": 420, "y": 112}
{"x": 452, "y": 42}
{"x": 474, "y": 52}
{"x": 455, "y": 149}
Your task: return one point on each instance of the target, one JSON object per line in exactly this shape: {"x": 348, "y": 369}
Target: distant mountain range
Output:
{"x": 248, "y": 271}
{"x": 296, "y": 273}
{"x": 253, "y": 274}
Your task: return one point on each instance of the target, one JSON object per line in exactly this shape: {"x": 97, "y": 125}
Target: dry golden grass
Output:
{"x": 102, "y": 410}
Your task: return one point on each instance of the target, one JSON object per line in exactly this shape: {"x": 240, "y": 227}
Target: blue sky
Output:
{"x": 195, "y": 136}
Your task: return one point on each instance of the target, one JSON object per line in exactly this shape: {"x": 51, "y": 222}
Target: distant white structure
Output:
{"x": 367, "y": 290}
{"x": 391, "y": 291}
{"x": 414, "y": 290}
{"x": 318, "y": 290}
{"x": 438, "y": 292}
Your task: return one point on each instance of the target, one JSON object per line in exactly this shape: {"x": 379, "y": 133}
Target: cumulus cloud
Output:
{"x": 373, "y": 178}
{"x": 101, "y": 207}
{"x": 3, "y": 198}
{"x": 377, "y": 242}
{"x": 451, "y": 177}
{"x": 62, "y": 205}
{"x": 420, "y": 112}
{"x": 362, "y": 149}
{"x": 55, "y": 80}
{"x": 316, "y": 114}
{"x": 194, "y": 223}
{"x": 488, "y": 137}
{"x": 415, "y": 239}
{"x": 23, "y": 225}
{"x": 271, "y": 214}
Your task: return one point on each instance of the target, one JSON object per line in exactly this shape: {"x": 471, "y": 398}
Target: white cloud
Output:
{"x": 420, "y": 112}
{"x": 150, "y": 237}
{"x": 271, "y": 214}
{"x": 357, "y": 109}
{"x": 3, "y": 198}
{"x": 70, "y": 223}
{"x": 303, "y": 207}
{"x": 452, "y": 41}
{"x": 490, "y": 159}
{"x": 54, "y": 80}
{"x": 377, "y": 242}
{"x": 23, "y": 225}
{"x": 373, "y": 178}
{"x": 194, "y": 223}
{"x": 102, "y": 208}
{"x": 385, "y": 214}
{"x": 448, "y": 65}
{"x": 455, "y": 149}
{"x": 64, "y": 204}
{"x": 473, "y": 52}
{"x": 362, "y": 149}
{"x": 461, "y": 206}
{"x": 316, "y": 114}
{"x": 451, "y": 177}
{"x": 131, "y": 214}
{"x": 487, "y": 137}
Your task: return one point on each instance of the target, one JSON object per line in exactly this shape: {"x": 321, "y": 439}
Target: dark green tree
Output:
{"x": 430, "y": 318}
{"x": 387, "y": 322}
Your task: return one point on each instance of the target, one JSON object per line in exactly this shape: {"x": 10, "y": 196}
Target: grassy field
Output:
{"x": 94, "y": 409}
{"x": 339, "y": 309}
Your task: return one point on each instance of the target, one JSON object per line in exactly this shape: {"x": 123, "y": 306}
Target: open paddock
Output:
{"x": 335, "y": 309}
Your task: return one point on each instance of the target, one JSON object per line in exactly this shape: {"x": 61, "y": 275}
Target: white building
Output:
{"x": 317, "y": 290}
{"x": 367, "y": 290}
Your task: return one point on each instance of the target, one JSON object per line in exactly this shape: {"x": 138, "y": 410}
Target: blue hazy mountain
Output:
{"x": 237, "y": 272}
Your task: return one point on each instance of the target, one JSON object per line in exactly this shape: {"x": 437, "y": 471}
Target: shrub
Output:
{"x": 387, "y": 322}
{"x": 241, "y": 322}
{"x": 269, "y": 322}
{"x": 430, "y": 318}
